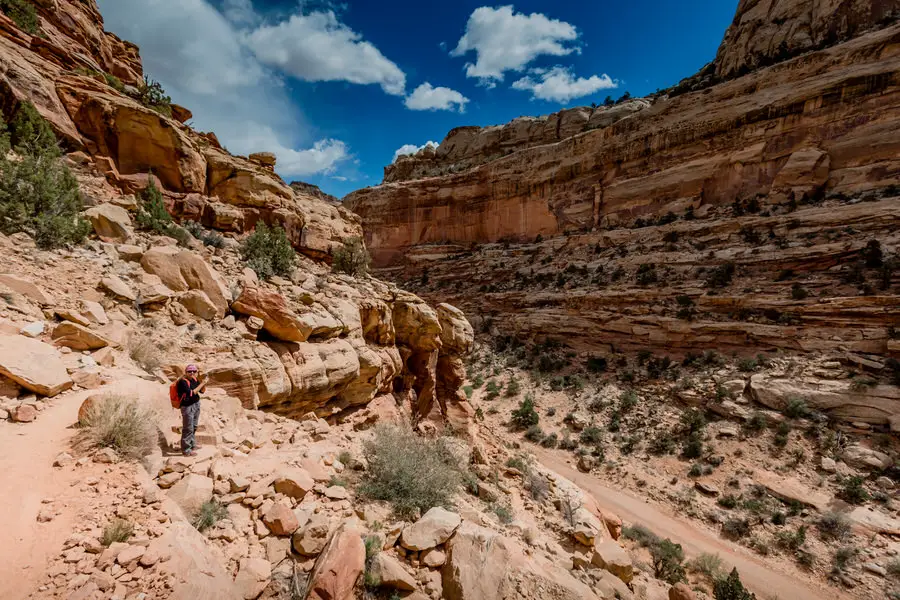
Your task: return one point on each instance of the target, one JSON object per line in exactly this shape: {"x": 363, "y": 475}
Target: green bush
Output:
{"x": 591, "y": 435}
{"x": 792, "y": 540}
{"x": 735, "y": 529}
{"x": 731, "y": 588}
{"x": 853, "y": 490}
{"x": 210, "y": 513}
{"x": 38, "y": 193}
{"x": 728, "y": 501}
{"x": 756, "y": 423}
{"x": 525, "y": 416}
{"x": 504, "y": 513}
{"x": 352, "y": 258}
{"x": 152, "y": 95}
{"x": 513, "y": 388}
{"x": 23, "y": 14}
{"x": 843, "y": 556}
{"x": 721, "y": 275}
{"x": 668, "y": 559}
{"x": 413, "y": 473}
{"x": 268, "y": 252}
{"x": 710, "y": 565}
{"x": 796, "y": 408}
{"x": 114, "y": 82}
{"x": 534, "y": 434}
{"x": 153, "y": 215}
{"x": 640, "y": 534}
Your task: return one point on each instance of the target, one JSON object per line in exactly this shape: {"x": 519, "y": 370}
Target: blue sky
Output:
{"x": 335, "y": 89}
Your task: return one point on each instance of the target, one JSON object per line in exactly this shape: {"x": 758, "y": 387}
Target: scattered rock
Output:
{"x": 252, "y": 577}
{"x": 24, "y": 413}
{"x": 338, "y": 567}
{"x": 433, "y": 529}
{"x": 34, "y": 365}
{"x": 389, "y": 572}
{"x": 280, "y": 520}
{"x": 611, "y": 556}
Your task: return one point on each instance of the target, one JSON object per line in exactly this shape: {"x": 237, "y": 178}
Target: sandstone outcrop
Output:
{"x": 34, "y": 365}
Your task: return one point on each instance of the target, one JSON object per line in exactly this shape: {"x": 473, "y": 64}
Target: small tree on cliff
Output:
{"x": 731, "y": 588}
{"x": 268, "y": 252}
{"x": 352, "y": 259}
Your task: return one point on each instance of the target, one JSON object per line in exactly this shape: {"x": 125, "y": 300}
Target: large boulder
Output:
{"x": 77, "y": 337}
{"x": 252, "y": 577}
{"x": 457, "y": 335}
{"x": 281, "y": 520}
{"x": 294, "y": 483}
{"x": 338, "y": 567}
{"x": 192, "y": 492}
{"x": 433, "y": 529}
{"x": 34, "y": 365}
{"x": 196, "y": 572}
{"x": 611, "y": 556}
{"x": 481, "y": 564}
{"x": 198, "y": 304}
{"x": 389, "y": 572}
{"x": 183, "y": 270}
{"x": 416, "y": 324}
{"x": 110, "y": 222}
{"x": 279, "y": 319}
{"x": 26, "y": 287}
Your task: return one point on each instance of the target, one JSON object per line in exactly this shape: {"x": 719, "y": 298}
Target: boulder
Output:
{"x": 118, "y": 288}
{"x": 75, "y": 317}
{"x": 434, "y": 558}
{"x": 389, "y": 572}
{"x": 110, "y": 222}
{"x": 27, "y": 288}
{"x": 195, "y": 570}
{"x": 482, "y": 563}
{"x": 280, "y": 520}
{"x": 457, "y": 335}
{"x": 860, "y": 457}
{"x": 433, "y": 529}
{"x": 130, "y": 252}
{"x": 294, "y": 483}
{"x": 183, "y": 270}
{"x": 94, "y": 311}
{"x": 277, "y": 316}
{"x": 338, "y": 567}
{"x": 311, "y": 539}
{"x": 611, "y": 556}
{"x": 198, "y": 304}
{"x": 34, "y": 365}
{"x": 416, "y": 324}
{"x": 252, "y": 577}
{"x": 192, "y": 492}
{"x": 77, "y": 337}
{"x": 24, "y": 413}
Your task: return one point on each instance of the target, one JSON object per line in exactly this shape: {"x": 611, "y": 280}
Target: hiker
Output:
{"x": 189, "y": 388}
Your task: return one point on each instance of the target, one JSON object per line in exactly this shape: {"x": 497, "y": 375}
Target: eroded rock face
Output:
{"x": 34, "y": 365}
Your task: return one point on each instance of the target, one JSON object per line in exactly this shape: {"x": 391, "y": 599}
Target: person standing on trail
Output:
{"x": 189, "y": 388}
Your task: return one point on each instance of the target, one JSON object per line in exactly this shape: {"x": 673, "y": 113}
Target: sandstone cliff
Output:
{"x": 84, "y": 82}
{"x": 602, "y": 225}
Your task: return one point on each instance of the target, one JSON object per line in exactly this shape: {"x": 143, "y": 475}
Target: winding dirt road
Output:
{"x": 760, "y": 578}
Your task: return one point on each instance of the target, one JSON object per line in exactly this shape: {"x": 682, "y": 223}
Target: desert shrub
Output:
{"x": 873, "y": 255}
{"x": 668, "y": 559}
{"x": 123, "y": 424}
{"x": 756, "y": 423}
{"x": 145, "y": 354}
{"x": 646, "y": 274}
{"x": 114, "y": 82}
{"x": 153, "y": 215}
{"x": 747, "y": 365}
{"x": 550, "y": 441}
{"x": 23, "y": 14}
{"x": 640, "y": 534}
{"x": 210, "y": 513}
{"x": 661, "y": 443}
{"x": 492, "y": 389}
{"x": 518, "y": 463}
{"x": 38, "y": 193}
{"x": 152, "y": 95}
{"x": 534, "y": 434}
{"x": 525, "y": 416}
{"x": 413, "y": 473}
{"x": 692, "y": 421}
{"x": 591, "y": 435}
{"x": 117, "y": 530}
{"x": 596, "y": 364}
{"x": 627, "y": 401}
{"x": 513, "y": 388}
{"x": 782, "y": 432}
{"x": 352, "y": 258}
{"x": 696, "y": 470}
{"x": 796, "y": 408}
{"x": 736, "y": 529}
{"x": 731, "y": 588}
{"x": 504, "y": 513}
{"x": 842, "y": 558}
{"x": 853, "y": 490}
{"x": 791, "y": 540}
{"x": 728, "y": 501}
{"x": 798, "y": 292}
{"x": 710, "y": 565}
{"x": 268, "y": 252}
{"x": 721, "y": 275}
{"x": 833, "y": 526}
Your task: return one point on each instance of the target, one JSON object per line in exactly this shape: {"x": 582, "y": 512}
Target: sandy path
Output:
{"x": 27, "y": 477}
{"x": 760, "y": 578}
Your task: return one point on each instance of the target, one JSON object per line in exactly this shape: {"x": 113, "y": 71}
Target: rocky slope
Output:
{"x": 84, "y": 82}
{"x": 732, "y": 217}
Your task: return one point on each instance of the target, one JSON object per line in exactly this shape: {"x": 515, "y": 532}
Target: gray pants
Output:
{"x": 190, "y": 417}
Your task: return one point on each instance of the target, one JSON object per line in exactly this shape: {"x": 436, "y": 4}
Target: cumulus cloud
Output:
{"x": 204, "y": 59}
{"x": 318, "y": 47}
{"x": 560, "y": 85}
{"x": 407, "y": 149}
{"x": 504, "y": 40}
{"x": 427, "y": 97}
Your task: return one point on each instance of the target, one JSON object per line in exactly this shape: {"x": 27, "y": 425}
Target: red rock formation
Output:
{"x": 64, "y": 72}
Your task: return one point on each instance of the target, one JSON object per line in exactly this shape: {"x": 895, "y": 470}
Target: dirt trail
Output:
{"x": 756, "y": 575}
{"x": 27, "y": 477}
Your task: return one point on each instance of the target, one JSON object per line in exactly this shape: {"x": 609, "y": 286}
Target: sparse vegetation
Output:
{"x": 736, "y": 529}
{"x": 268, "y": 252}
{"x": 721, "y": 275}
{"x": 796, "y": 408}
{"x": 833, "y": 526}
{"x": 668, "y": 559}
{"x": 710, "y": 565}
{"x": 145, "y": 354}
{"x": 731, "y": 588}
{"x": 842, "y": 558}
{"x": 117, "y": 530}
{"x": 525, "y": 416}
{"x": 152, "y": 95}
{"x": 413, "y": 473}
{"x": 853, "y": 491}
{"x": 352, "y": 258}
{"x": 38, "y": 193}
{"x": 23, "y": 14}
{"x": 210, "y": 513}
{"x": 123, "y": 424}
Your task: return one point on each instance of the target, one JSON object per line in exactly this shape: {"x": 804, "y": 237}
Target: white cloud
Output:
{"x": 197, "y": 53}
{"x": 318, "y": 47}
{"x": 505, "y": 40}
{"x": 407, "y": 149}
{"x": 427, "y": 97}
{"x": 560, "y": 85}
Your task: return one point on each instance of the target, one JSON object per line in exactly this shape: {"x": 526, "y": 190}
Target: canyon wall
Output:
{"x": 552, "y": 225}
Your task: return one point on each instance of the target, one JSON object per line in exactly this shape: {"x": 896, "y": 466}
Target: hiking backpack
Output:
{"x": 174, "y": 398}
